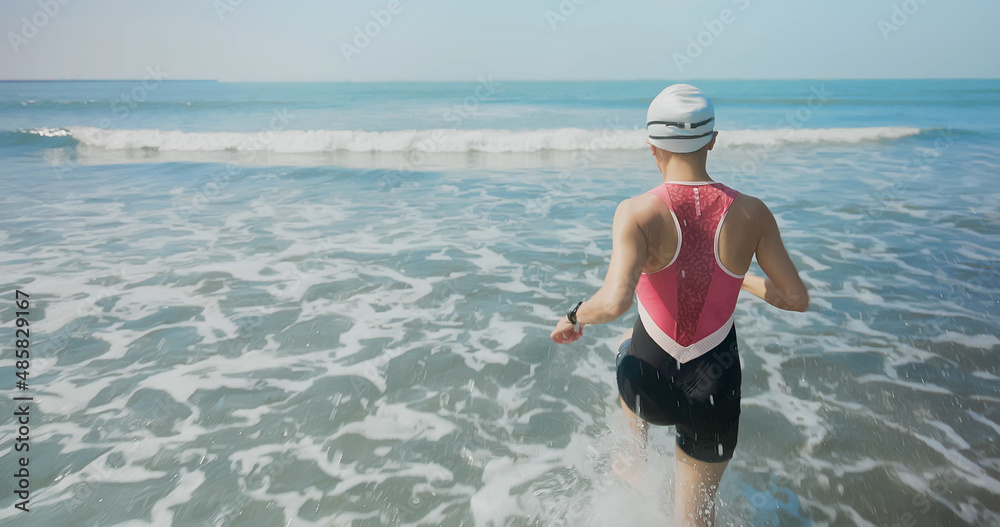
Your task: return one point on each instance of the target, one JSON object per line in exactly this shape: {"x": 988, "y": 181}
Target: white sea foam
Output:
{"x": 396, "y": 421}
{"x": 986, "y": 342}
{"x": 950, "y": 433}
{"x": 443, "y": 140}
{"x": 50, "y": 132}
{"x": 164, "y": 510}
{"x": 174, "y": 324}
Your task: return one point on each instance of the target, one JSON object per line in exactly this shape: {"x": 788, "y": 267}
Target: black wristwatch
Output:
{"x": 571, "y": 316}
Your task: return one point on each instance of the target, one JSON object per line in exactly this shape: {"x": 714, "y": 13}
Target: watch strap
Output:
{"x": 571, "y": 316}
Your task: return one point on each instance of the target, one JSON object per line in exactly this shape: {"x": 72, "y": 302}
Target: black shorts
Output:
{"x": 700, "y": 397}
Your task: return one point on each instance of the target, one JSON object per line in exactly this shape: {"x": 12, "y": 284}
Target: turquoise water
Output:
{"x": 328, "y": 304}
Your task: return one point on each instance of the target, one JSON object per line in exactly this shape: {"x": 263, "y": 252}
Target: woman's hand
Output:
{"x": 765, "y": 289}
{"x": 566, "y": 332}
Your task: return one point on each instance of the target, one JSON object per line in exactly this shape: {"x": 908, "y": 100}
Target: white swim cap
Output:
{"x": 681, "y": 119}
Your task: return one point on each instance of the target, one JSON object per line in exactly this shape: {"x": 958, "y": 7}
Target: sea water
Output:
{"x": 329, "y": 304}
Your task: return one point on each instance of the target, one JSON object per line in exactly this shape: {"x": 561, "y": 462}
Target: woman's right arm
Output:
{"x": 782, "y": 288}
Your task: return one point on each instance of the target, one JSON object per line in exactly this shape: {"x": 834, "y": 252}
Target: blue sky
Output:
{"x": 314, "y": 40}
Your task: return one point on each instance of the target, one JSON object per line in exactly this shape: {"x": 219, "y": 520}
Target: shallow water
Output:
{"x": 319, "y": 343}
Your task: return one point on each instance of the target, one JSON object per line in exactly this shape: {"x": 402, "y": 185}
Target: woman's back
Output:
{"x": 737, "y": 238}
{"x": 688, "y": 303}
{"x": 747, "y": 230}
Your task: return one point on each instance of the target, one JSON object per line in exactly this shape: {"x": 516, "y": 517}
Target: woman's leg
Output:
{"x": 637, "y": 425}
{"x": 626, "y": 465}
{"x": 694, "y": 490}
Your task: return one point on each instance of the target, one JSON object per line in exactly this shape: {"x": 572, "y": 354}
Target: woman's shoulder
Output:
{"x": 645, "y": 202}
{"x": 745, "y": 201}
{"x": 640, "y": 209}
{"x": 752, "y": 208}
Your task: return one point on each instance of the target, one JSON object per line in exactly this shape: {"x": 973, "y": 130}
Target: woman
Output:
{"x": 683, "y": 249}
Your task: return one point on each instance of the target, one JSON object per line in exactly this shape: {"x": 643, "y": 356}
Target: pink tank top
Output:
{"x": 687, "y": 307}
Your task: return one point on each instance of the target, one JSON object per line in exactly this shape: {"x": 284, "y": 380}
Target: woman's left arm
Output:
{"x": 614, "y": 298}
